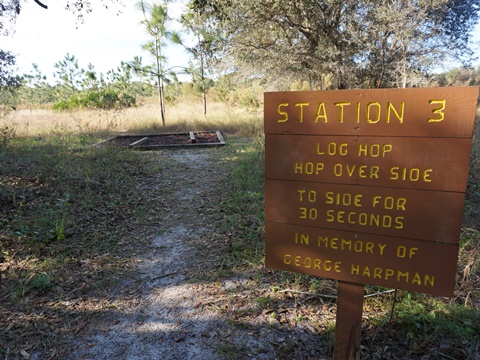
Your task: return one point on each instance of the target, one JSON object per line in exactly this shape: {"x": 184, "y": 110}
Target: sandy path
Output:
{"x": 183, "y": 305}
{"x": 168, "y": 321}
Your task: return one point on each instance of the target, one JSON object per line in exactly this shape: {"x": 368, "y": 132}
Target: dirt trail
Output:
{"x": 168, "y": 321}
{"x": 172, "y": 311}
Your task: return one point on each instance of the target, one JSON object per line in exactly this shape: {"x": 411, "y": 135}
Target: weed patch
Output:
{"x": 66, "y": 212}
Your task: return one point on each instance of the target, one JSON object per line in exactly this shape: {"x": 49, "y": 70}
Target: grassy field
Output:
{"x": 60, "y": 198}
{"x": 145, "y": 118}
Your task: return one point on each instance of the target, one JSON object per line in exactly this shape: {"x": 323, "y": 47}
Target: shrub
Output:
{"x": 96, "y": 99}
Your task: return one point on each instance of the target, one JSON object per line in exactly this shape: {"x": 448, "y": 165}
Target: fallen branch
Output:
{"x": 308, "y": 293}
{"x": 333, "y": 296}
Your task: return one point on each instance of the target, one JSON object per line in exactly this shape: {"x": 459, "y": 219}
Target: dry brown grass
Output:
{"x": 185, "y": 115}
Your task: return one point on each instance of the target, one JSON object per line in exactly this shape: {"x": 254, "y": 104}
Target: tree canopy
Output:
{"x": 322, "y": 44}
{"x": 342, "y": 44}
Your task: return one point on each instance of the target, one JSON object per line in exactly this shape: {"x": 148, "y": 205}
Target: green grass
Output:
{"x": 244, "y": 205}
{"x": 66, "y": 208}
{"x": 52, "y": 187}
{"x": 423, "y": 326}
{"x": 62, "y": 215}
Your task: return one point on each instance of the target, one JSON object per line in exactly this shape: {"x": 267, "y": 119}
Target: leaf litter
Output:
{"x": 173, "y": 290}
{"x": 179, "y": 307}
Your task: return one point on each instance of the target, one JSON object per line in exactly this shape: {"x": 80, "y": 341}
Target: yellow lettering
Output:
{"x": 308, "y": 263}
{"x": 391, "y": 109}
{"x": 300, "y": 113}
{"x": 355, "y": 269}
{"x": 280, "y": 112}
{"x": 401, "y": 251}
{"x": 298, "y": 168}
{"x": 362, "y": 150}
{"x": 389, "y": 202}
{"x": 362, "y": 171}
{"x": 321, "y": 113}
{"x": 410, "y": 174}
{"x": 386, "y": 149}
{"x": 302, "y": 239}
{"x": 303, "y": 212}
{"x": 399, "y": 222}
{"x": 375, "y": 220}
{"x": 350, "y": 217}
{"x": 333, "y": 243}
{"x": 344, "y": 199}
{"x": 308, "y": 213}
{"x": 300, "y": 193}
{"x": 381, "y": 247}
{"x": 426, "y": 175}
{"x": 341, "y": 105}
{"x": 364, "y": 219}
{"x": 402, "y": 275}
{"x": 366, "y": 271}
{"x": 351, "y": 169}
{"x": 374, "y": 172}
{"x": 389, "y": 273}
{"x": 297, "y": 260}
{"x": 377, "y": 118}
{"x": 329, "y": 196}
{"x": 333, "y": 149}
{"x": 369, "y": 247}
{"x": 308, "y": 168}
{"x": 330, "y": 216}
{"x": 429, "y": 280}
{"x": 346, "y": 244}
{"x": 311, "y": 195}
{"x": 326, "y": 265}
{"x": 439, "y": 111}
{"x": 416, "y": 279}
{"x": 374, "y": 150}
{"x": 322, "y": 240}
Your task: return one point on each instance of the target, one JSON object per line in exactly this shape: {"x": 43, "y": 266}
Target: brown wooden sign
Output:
{"x": 369, "y": 168}
{"x": 415, "y": 265}
{"x": 414, "y": 214}
{"x": 400, "y": 162}
{"x": 432, "y": 112}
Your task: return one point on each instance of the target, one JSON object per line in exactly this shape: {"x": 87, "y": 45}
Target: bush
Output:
{"x": 6, "y": 135}
{"x": 96, "y": 99}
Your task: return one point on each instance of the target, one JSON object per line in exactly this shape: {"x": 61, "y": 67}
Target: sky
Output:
{"x": 45, "y": 36}
{"x": 105, "y": 39}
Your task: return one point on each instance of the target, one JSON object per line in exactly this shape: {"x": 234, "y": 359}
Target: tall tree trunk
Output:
{"x": 202, "y": 76}
{"x": 161, "y": 95}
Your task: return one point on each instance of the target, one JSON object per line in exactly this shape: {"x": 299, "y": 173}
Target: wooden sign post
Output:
{"x": 367, "y": 187}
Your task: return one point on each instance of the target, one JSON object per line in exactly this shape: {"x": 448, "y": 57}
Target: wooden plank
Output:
{"x": 414, "y": 214}
{"x": 421, "y": 112}
{"x": 395, "y": 262}
{"x": 401, "y": 162}
{"x": 349, "y": 321}
{"x": 138, "y": 142}
{"x": 220, "y": 137}
{"x": 192, "y": 137}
